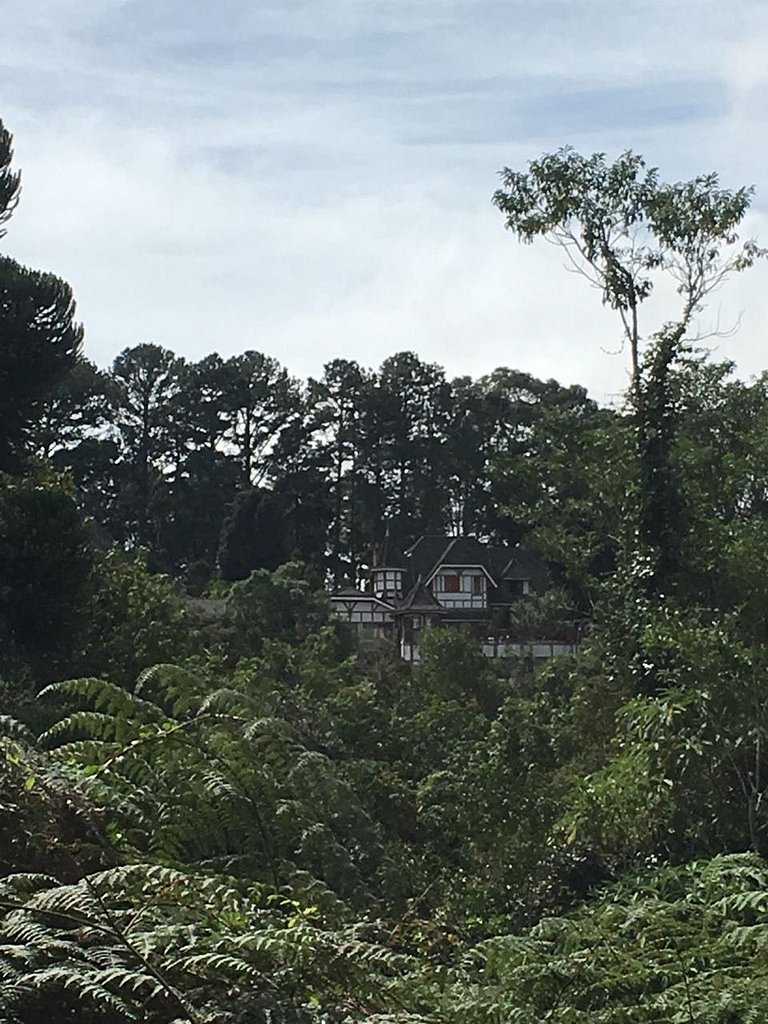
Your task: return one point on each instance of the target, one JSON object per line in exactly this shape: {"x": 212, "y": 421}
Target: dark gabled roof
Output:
{"x": 426, "y": 552}
{"x": 523, "y": 565}
{"x": 350, "y": 590}
{"x": 516, "y": 564}
{"x": 433, "y": 550}
{"x": 347, "y": 594}
{"x": 388, "y": 555}
{"x": 419, "y": 599}
{"x": 465, "y": 551}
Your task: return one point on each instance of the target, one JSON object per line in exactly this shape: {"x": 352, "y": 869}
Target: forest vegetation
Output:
{"x": 254, "y": 819}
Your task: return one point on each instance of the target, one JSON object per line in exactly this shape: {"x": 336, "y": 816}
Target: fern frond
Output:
{"x": 83, "y": 984}
{"x": 173, "y": 686}
{"x": 107, "y": 697}
{"x": 92, "y": 725}
{"x": 11, "y": 729}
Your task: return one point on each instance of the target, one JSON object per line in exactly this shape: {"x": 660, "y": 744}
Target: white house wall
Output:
{"x": 362, "y": 612}
{"x": 387, "y": 581}
{"x": 464, "y": 597}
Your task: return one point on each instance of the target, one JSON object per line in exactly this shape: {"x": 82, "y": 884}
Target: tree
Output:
{"x": 10, "y": 181}
{"x": 535, "y": 431}
{"x": 339, "y": 401}
{"x": 39, "y": 340}
{"x": 45, "y": 568}
{"x": 133, "y": 620}
{"x": 260, "y": 401}
{"x": 39, "y": 343}
{"x": 201, "y": 476}
{"x": 80, "y": 408}
{"x": 147, "y": 378}
{"x": 285, "y": 605}
{"x": 410, "y": 412}
{"x": 253, "y": 535}
{"x": 679, "y": 944}
{"x": 621, "y": 227}
{"x": 199, "y": 408}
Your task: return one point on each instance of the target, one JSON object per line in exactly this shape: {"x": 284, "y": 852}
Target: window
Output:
{"x": 518, "y": 587}
{"x": 477, "y": 586}
{"x": 451, "y": 584}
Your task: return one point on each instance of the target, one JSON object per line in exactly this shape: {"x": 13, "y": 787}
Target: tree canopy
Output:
{"x": 622, "y": 227}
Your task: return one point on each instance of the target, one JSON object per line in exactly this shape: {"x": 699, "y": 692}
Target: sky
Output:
{"x": 313, "y": 179}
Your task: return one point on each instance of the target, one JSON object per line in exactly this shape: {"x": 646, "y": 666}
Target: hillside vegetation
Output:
{"x": 250, "y": 818}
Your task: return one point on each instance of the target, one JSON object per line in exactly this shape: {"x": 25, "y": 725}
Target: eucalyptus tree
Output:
{"x": 623, "y": 229}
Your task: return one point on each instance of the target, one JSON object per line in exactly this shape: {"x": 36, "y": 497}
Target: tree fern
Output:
{"x": 146, "y": 943}
{"x": 668, "y": 947}
{"x": 196, "y": 777}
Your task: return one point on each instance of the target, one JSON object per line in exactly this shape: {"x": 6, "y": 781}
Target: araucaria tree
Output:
{"x": 39, "y": 340}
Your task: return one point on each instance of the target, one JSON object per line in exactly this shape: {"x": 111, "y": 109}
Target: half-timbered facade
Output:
{"x": 447, "y": 580}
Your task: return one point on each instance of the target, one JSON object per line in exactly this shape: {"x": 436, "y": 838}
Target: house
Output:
{"x": 448, "y": 581}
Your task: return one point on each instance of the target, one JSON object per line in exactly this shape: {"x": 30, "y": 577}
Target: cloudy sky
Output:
{"x": 311, "y": 178}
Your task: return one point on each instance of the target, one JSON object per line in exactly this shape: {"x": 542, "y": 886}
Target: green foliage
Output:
{"x": 134, "y": 620}
{"x": 683, "y": 945}
{"x": 9, "y": 180}
{"x": 621, "y": 226}
{"x": 149, "y": 943}
{"x": 283, "y": 605}
{"x": 45, "y": 569}
{"x": 684, "y": 771}
{"x": 242, "y": 818}
{"x": 45, "y": 825}
{"x": 550, "y": 616}
{"x": 204, "y": 776}
{"x": 453, "y": 667}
